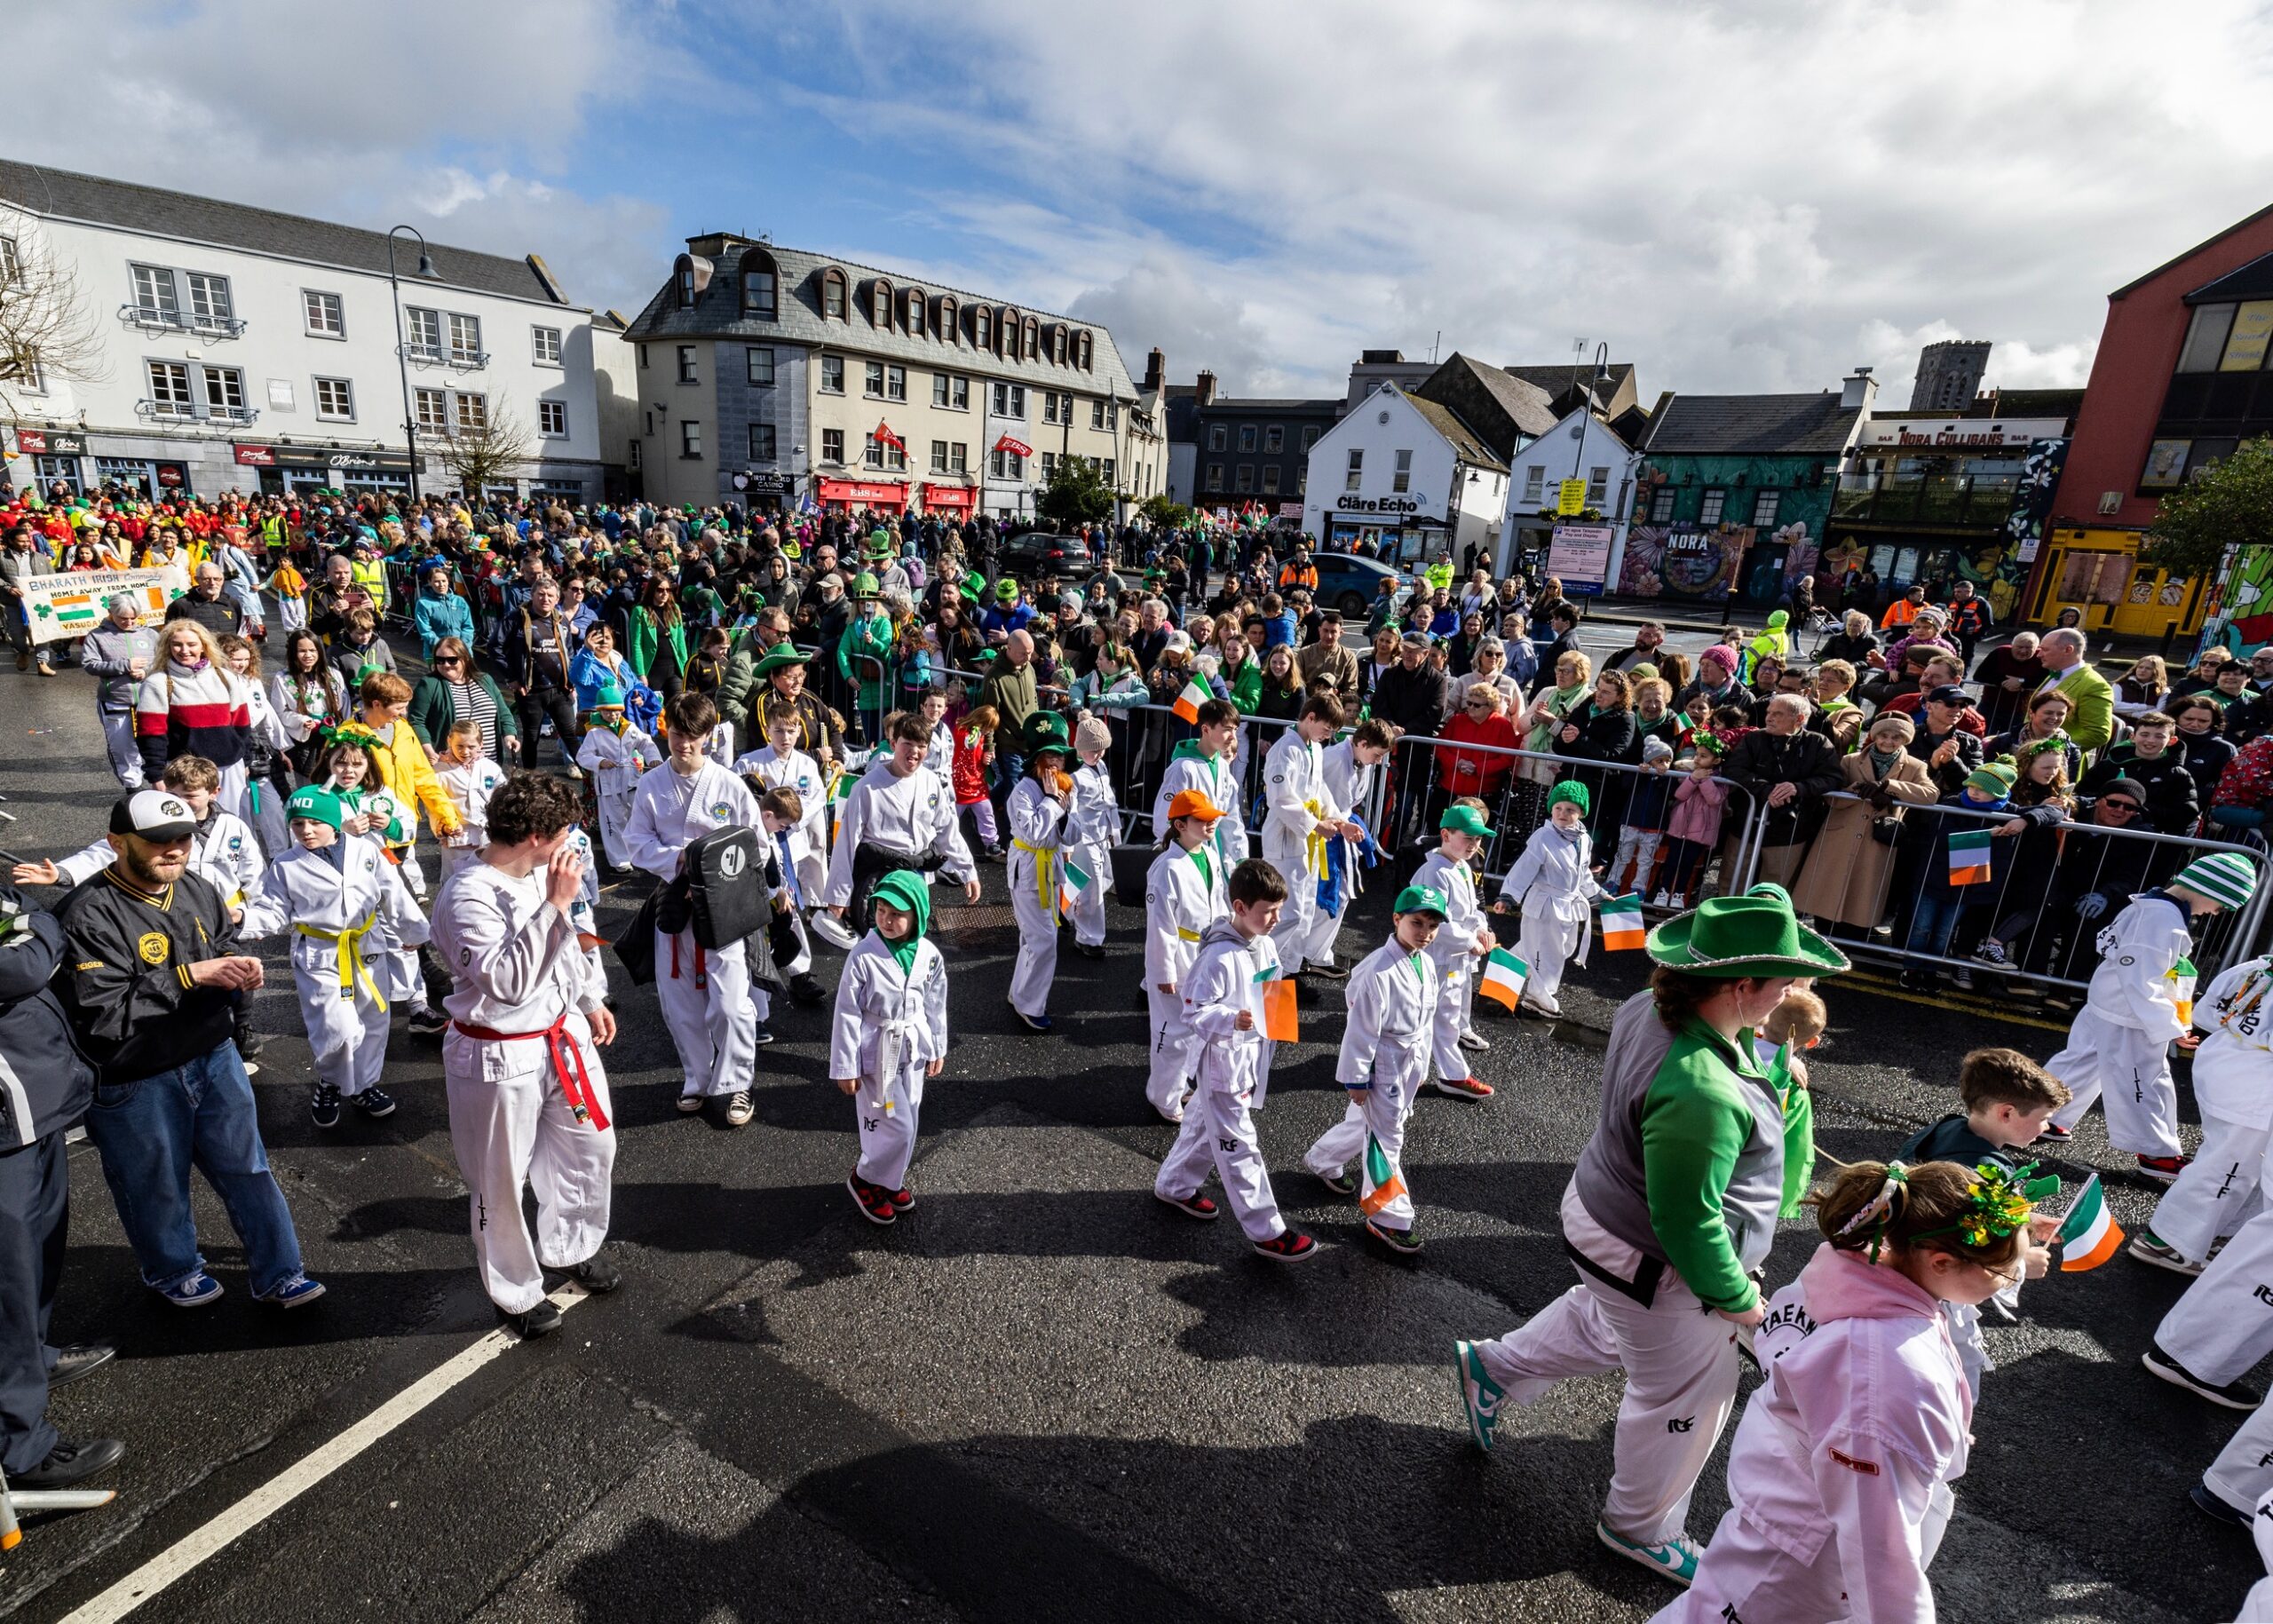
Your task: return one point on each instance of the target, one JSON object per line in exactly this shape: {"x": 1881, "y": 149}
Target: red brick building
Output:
{"x": 2181, "y": 378}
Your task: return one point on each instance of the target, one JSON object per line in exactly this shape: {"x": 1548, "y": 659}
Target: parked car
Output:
{"x": 1350, "y": 584}
{"x": 1030, "y": 552}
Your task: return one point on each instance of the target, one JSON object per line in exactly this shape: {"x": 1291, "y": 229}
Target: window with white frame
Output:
{"x": 1216, "y": 437}
{"x": 208, "y": 297}
{"x": 939, "y": 456}
{"x": 323, "y": 313}
{"x": 760, "y": 361}
{"x": 959, "y": 397}
{"x": 1709, "y": 511}
{"x": 465, "y": 337}
{"x": 1597, "y": 487}
{"x": 939, "y": 382}
{"x": 336, "y": 400}
{"x": 1764, "y": 504}
{"x": 1274, "y": 439}
{"x": 1006, "y": 465}
{"x": 1048, "y": 466}
{"x": 425, "y": 328}
{"x": 761, "y": 442}
{"x": 1310, "y": 432}
{"x": 1535, "y": 482}
{"x": 225, "y": 390}
{"x": 432, "y": 409}
{"x": 1355, "y": 479}
{"x": 1270, "y": 477}
{"x": 959, "y": 457}
{"x": 552, "y": 419}
{"x": 1110, "y": 479}
{"x": 872, "y": 380}
{"x": 11, "y": 267}
{"x": 759, "y": 297}
{"x": 895, "y": 383}
{"x": 832, "y": 374}
{"x": 1010, "y": 400}
{"x": 1246, "y": 437}
{"x": 471, "y": 412}
{"x": 1661, "y": 508}
{"x": 883, "y": 453}
{"x": 1247, "y": 475}
{"x": 1403, "y": 479}
{"x": 544, "y": 346}
{"x": 686, "y": 363}
{"x": 689, "y": 439}
{"x": 832, "y": 445}
{"x": 170, "y": 395}
{"x": 1097, "y": 414}
{"x": 154, "y": 294}
{"x": 1049, "y": 406}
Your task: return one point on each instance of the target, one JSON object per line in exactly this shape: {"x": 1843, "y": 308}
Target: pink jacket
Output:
{"x": 1697, "y": 810}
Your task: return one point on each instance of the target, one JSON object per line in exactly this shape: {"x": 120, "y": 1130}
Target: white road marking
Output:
{"x": 303, "y": 1475}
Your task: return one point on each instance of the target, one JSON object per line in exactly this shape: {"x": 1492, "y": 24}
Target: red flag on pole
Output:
{"x": 1015, "y": 448}
{"x": 886, "y": 437}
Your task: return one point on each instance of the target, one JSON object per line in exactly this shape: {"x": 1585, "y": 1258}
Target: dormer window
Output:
{"x": 761, "y": 286}
{"x": 685, "y": 286}
{"x": 1089, "y": 352}
{"x": 982, "y": 327}
{"x": 1033, "y": 346}
{"x": 1058, "y": 344}
{"x": 1010, "y": 336}
{"x": 832, "y": 292}
{"x": 947, "y": 326}
{"x": 914, "y": 313}
{"x": 880, "y": 302}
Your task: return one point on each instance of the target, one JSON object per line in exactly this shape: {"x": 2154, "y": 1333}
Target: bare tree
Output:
{"x": 488, "y": 452}
{"x": 48, "y": 330}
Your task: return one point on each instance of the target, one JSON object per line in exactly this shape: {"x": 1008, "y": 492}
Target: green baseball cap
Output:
{"x": 1465, "y": 821}
{"x": 1422, "y": 899}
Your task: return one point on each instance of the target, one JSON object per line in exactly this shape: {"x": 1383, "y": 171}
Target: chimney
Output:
{"x": 1861, "y": 389}
{"x": 1204, "y": 389}
{"x": 1156, "y": 367}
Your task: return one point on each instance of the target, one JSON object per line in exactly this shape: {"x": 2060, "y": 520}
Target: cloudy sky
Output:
{"x": 1752, "y": 195}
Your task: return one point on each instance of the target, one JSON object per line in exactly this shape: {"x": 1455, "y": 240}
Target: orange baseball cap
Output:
{"x": 1192, "y": 803}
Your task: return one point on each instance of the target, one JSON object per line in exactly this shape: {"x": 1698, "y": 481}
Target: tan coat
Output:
{"x": 1845, "y": 878}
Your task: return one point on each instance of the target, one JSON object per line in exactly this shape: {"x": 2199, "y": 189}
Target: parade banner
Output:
{"x": 61, "y": 606}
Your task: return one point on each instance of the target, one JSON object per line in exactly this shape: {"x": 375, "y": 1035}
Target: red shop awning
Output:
{"x": 950, "y": 496}
{"x": 873, "y": 493}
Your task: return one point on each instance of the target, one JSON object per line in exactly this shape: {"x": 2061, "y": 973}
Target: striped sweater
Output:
{"x": 205, "y": 712}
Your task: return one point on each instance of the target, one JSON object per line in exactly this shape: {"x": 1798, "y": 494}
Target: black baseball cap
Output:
{"x": 1949, "y": 693}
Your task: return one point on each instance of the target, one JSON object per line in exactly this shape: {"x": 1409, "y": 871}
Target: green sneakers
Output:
{"x": 1674, "y": 1558}
{"x": 1480, "y": 1396}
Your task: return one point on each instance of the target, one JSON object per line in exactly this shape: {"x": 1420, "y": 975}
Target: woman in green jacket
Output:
{"x": 655, "y": 636}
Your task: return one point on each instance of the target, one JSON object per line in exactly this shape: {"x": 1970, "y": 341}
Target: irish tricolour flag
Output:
{"x": 1970, "y": 858}
{"x": 1383, "y": 1183}
{"x": 1622, "y": 923}
{"x": 1504, "y": 975}
{"x": 1073, "y": 880}
{"x": 1188, "y": 703}
{"x": 2089, "y": 1234}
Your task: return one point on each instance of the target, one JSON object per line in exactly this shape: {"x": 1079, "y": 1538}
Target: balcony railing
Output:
{"x": 443, "y": 355}
{"x": 1925, "y": 499}
{"x": 152, "y": 319}
{"x": 176, "y": 411}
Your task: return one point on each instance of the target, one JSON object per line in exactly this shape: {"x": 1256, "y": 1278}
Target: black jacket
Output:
{"x": 1415, "y": 701}
{"x": 1805, "y": 760}
{"x": 132, "y": 1003}
{"x": 2172, "y": 806}
{"x": 44, "y": 1080}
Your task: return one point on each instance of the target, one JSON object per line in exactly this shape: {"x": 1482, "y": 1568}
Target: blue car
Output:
{"x": 1349, "y": 583}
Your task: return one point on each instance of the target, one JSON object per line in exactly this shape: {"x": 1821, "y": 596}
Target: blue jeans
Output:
{"x": 1935, "y": 921}
{"x": 150, "y": 1132}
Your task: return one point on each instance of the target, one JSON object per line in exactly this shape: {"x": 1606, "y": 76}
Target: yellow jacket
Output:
{"x": 404, "y": 769}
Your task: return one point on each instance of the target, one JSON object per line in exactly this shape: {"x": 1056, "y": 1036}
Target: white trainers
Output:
{"x": 1659, "y": 901}
{"x": 1674, "y": 1558}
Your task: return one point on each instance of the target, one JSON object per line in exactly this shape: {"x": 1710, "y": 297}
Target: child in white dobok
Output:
{"x": 1183, "y": 895}
{"x": 889, "y": 1036}
{"x": 468, "y": 778}
{"x": 1092, "y": 829}
{"x": 1461, "y": 946}
{"x": 781, "y": 764}
{"x": 1553, "y": 882}
{"x": 615, "y": 753}
{"x": 2219, "y": 1189}
{"x": 1301, "y": 817}
{"x": 1224, "y": 1003}
{"x": 332, "y": 891}
{"x": 1038, "y": 808}
{"x": 1392, "y": 997}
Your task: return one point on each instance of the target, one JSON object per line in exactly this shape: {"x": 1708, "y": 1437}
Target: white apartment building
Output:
{"x": 1406, "y": 476}
{"x": 776, "y": 377}
{"x": 1581, "y": 449}
{"x": 244, "y": 349}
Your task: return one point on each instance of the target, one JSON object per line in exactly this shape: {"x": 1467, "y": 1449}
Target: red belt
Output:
{"x": 701, "y": 965}
{"x": 568, "y": 1063}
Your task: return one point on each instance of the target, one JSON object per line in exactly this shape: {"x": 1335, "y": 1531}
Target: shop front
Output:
{"x": 1395, "y": 529}
{"x": 761, "y": 493}
{"x": 56, "y": 457}
{"x": 131, "y": 469}
{"x": 953, "y": 502}
{"x": 888, "y": 496}
{"x": 2099, "y": 572}
{"x": 283, "y": 470}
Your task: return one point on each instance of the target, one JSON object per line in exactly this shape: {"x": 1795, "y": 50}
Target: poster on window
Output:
{"x": 1579, "y": 557}
{"x": 61, "y": 606}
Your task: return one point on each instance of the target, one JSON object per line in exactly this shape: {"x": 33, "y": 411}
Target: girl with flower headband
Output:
{"x": 1847, "y": 1451}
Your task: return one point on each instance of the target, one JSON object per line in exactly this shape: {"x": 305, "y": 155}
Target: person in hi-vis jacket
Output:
{"x": 1183, "y": 895}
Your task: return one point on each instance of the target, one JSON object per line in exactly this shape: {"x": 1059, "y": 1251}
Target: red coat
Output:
{"x": 969, "y": 770}
{"x": 1477, "y": 773}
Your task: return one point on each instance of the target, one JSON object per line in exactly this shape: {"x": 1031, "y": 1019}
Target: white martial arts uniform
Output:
{"x": 1231, "y": 1072}
{"x": 516, "y": 973}
{"x": 1552, "y": 883}
{"x": 1184, "y": 895}
{"x": 1037, "y": 831}
{"x": 1350, "y": 782}
{"x": 888, "y": 1027}
{"x": 2221, "y": 1189}
{"x": 616, "y": 762}
{"x": 224, "y": 852}
{"x": 719, "y": 746}
{"x": 333, "y": 901}
{"x": 394, "y": 962}
{"x": 2120, "y": 1041}
{"x": 1092, "y": 829}
{"x": 1297, "y": 809}
{"x": 469, "y": 785}
{"x": 1453, "y": 953}
{"x": 1217, "y": 778}
{"x": 915, "y": 814}
{"x": 704, "y": 992}
{"x": 809, "y": 841}
{"x": 264, "y": 807}
{"x": 1393, "y": 994}
{"x": 1839, "y": 1476}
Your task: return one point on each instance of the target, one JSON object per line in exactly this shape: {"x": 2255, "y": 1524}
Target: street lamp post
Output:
{"x": 426, "y": 272}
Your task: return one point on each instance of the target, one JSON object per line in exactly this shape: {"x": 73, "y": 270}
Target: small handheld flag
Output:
{"x": 1280, "y": 1023}
{"x": 1621, "y": 923}
{"x": 1970, "y": 858}
{"x": 1073, "y": 880}
{"x": 2182, "y": 976}
{"x": 2088, "y": 1235}
{"x": 1503, "y": 977}
{"x": 1383, "y": 1183}
{"x": 1188, "y": 702}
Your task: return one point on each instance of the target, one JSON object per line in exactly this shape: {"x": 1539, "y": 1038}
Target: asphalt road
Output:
{"x": 1042, "y": 1395}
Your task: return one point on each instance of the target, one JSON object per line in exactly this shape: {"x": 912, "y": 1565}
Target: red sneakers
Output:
{"x": 1464, "y": 1087}
{"x": 2163, "y": 1169}
{"x": 1193, "y": 1206}
{"x": 876, "y": 1200}
{"x": 1289, "y": 1246}
{"x": 903, "y": 1200}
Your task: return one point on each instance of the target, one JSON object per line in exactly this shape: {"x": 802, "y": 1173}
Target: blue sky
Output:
{"x": 1749, "y": 196}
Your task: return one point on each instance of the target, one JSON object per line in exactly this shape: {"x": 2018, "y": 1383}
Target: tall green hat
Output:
{"x": 1729, "y": 938}
{"x": 2225, "y": 877}
{"x": 974, "y": 586}
{"x": 317, "y": 804}
{"x": 1006, "y": 590}
{"x": 1046, "y": 731}
{"x": 879, "y": 542}
{"x": 866, "y": 585}
{"x": 608, "y": 695}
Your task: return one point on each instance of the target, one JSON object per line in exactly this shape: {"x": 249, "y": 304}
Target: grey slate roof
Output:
{"x": 96, "y": 200}
{"x": 717, "y": 314}
{"x": 1231, "y": 403}
{"x": 1464, "y": 439}
{"x": 1557, "y": 381}
{"x": 1754, "y": 425}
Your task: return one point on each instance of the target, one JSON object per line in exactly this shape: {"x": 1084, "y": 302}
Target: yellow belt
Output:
{"x": 1183, "y": 935}
{"x": 1314, "y": 846}
{"x": 354, "y": 971}
{"x": 1044, "y": 859}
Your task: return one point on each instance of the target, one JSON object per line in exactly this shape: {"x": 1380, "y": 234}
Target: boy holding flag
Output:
{"x": 1301, "y": 817}
{"x": 1184, "y": 895}
{"x": 1038, "y": 810}
{"x": 1459, "y": 947}
{"x": 1552, "y": 883}
{"x": 1204, "y": 763}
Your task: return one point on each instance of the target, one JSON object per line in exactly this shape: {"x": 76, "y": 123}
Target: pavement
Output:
{"x": 1042, "y": 1395}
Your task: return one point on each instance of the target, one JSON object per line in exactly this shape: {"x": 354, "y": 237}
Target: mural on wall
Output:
{"x": 2238, "y": 616}
{"x": 1688, "y": 560}
{"x": 1684, "y": 562}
